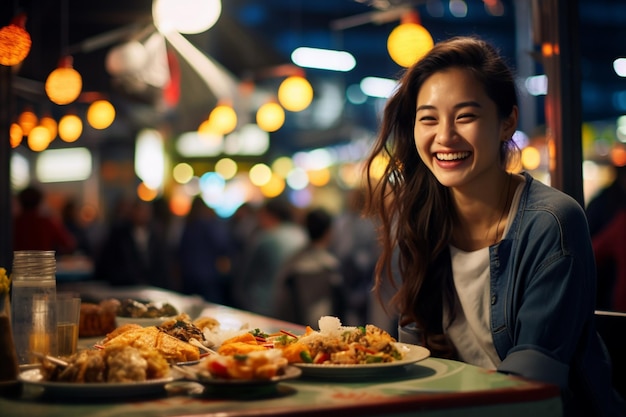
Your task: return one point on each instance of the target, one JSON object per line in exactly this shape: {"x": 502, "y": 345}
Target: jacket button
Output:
{"x": 493, "y": 299}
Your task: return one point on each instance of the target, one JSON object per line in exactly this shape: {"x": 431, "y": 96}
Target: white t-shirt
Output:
{"x": 470, "y": 331}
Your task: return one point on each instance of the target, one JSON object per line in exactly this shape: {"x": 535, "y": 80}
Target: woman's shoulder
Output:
{"x": 542, "y": 197}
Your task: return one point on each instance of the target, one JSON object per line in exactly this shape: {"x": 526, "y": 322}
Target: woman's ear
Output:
{"x": 509, "y": 124}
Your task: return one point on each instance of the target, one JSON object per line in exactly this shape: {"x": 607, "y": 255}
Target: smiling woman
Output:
{"x": 487, "y": 268}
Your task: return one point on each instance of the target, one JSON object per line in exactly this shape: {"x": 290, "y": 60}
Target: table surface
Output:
{"x": 434, "y": 387}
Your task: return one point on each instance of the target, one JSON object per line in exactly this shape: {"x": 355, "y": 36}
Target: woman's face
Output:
{"x": 457, "y": 130}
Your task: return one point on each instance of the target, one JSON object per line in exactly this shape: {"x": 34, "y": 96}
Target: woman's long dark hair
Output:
{"x": 415, "y": 211}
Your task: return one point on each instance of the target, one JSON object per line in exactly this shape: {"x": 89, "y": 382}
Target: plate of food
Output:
{"x": 144, "y": 313}
{"x": 119, "y": 372}
{"x": 73, "y": 390}
{"x": 337, "y": 351}
{"x": 253, "y": 374}
{"x": 411, "y": 354}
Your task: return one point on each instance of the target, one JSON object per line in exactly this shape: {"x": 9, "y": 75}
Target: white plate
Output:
{"x": 94, "y": 389}
{"x": 412, "y": 354}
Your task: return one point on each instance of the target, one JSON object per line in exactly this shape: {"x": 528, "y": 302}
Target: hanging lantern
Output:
{"x": 16, "y": 134}
{"x": 15, "y": 41}
{"x": 70, "y": 128}
{"x": 39, "y": 139}
{"x": 295, "y": 93}
{"x": 270, "y": 117}
{"x": 223, "y": 119}
{"x": 50, "y": 124}
{"x": 27, "y": 120}
{"x": 64, "y": 84}
{"x": 409, "y": 41}
{"x": 100, "y": 114}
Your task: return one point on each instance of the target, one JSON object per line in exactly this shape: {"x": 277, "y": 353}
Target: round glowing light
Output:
{"x": 618, "y": 156}
{"x": 298, "y": 179}
{"x": 282, "y": 166}
{"x": 377, "y": 169}
{"x": 186, "y": 16}
{"x": 531, "y": 158}
{"x": 295, "y": 93}
{"x": 260, "y": 174}
{"x": 100, "y": 114}
{"x": 146, "y": 193}
{"x": 70, "y": 128}
{"x": 27, "y": 120}
{"x": 226, "y": 167}
{"x": 16, "y": 135}
{"x": 408, "y": 43}
{"x": 127, "y": 58}
{"x": 319, "y": 177}
{"x": 274, "y": 187}
{"x": 38, "y": 138}
{"x": 15, "y": 42}
{"x": 180, "y": 204}
{"x": 64, "y": 84}
{"x": 270, "y": 117}
{"x": 223, "y": 119}
{"x": 182, "y": 173}
{"x": 50, "y": 124}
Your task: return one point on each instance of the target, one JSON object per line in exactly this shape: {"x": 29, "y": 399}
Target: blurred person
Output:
{"x": 72, "y": 222}
{"x": 278, "y": 238}
{"x": 497, "y": 269}
{"x": 355, "y": 243}
{"x": 34, "y": 229}
{"x": 134, "y": 253}
{"x": 605, "y": 213}
{"x": 204, "y": 253}
{"x": 310, "y": 283}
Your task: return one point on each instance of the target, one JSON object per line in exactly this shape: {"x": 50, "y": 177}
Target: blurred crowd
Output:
{"x": 272, "y": 258}
{"x": 295, "y": 264}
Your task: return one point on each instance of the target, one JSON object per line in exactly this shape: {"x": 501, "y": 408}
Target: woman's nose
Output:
{"x": 445, "y": 132}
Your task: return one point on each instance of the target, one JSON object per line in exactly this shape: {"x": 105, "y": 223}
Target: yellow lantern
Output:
{"x": 50, "y": 124}
{"x": 223, "y": 119}
{"x": 409, "y": 41}
{"x": 295, "y": 93}
{"x": 38, "y": 138}
{"x": 27, "y": 120}
{"x": 15, "y": 41}
{"x": 70, "y": 128}
{"x": 270, "y": 117}
{"x": 64, "y": 84}
{"x": 100, "y": 114}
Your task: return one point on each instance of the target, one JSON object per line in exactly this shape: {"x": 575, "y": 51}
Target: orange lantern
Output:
{"x": 64, "y": 84}
{"x": 15, "y": 41}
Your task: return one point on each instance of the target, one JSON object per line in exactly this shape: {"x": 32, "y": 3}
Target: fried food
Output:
{"x": 112, "y": 364}
{"x": 121, "y": 329}
{"x": 173, "y": 349}
{"x": 239, "y": 348}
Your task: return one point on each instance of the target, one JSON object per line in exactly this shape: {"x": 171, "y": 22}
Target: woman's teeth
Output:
{"x": 452, "y": 156}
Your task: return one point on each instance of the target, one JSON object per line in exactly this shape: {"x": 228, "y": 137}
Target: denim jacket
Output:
{"x": 543, "y": 299}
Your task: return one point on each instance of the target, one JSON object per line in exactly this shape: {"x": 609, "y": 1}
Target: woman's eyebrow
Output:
{"x": 456, "y": 106}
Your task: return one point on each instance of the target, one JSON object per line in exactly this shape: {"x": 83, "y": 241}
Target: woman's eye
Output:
{"x": 466, "y": 116}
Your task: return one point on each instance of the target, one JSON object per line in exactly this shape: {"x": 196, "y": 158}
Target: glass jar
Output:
{"x": 33, "y": 304}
